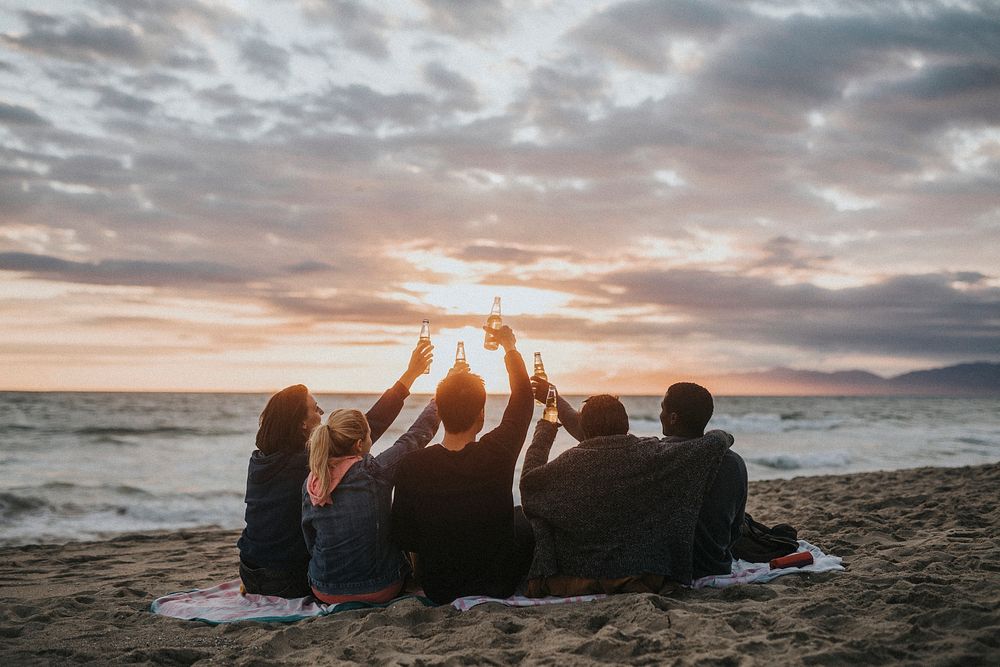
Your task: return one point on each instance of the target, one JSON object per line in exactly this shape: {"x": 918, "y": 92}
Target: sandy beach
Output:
{"x": 922, "y": 587}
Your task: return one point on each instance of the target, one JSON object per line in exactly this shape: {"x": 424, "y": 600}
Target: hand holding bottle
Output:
{"x": 540, "y": 387}
{"x": 420, "y": 359}
{"x": 504, "y": 336}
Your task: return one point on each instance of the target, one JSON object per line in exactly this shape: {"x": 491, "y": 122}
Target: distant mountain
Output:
{"x": 972, "y": 379}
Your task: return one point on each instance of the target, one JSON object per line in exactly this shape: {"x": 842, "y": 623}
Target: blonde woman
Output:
{"x": 345, "y": 508}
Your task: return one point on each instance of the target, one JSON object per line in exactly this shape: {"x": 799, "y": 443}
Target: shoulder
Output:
{"x": 416, "y": 461}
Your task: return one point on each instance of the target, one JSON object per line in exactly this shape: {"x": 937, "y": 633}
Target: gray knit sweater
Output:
{"x": 617, "y": 506}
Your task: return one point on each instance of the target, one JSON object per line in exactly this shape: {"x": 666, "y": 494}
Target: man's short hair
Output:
{"x": 603, "y": 415}
{"x": 460, "y": 398}
{"x": 692, "y": 403}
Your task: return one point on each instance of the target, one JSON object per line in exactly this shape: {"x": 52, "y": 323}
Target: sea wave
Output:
{"x": 13, "y": 504}
{"x": 804, "y": 461}
{"x": 57, "y": 511}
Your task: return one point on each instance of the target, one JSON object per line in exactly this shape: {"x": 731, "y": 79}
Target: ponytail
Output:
{"x": 337, "y": 437}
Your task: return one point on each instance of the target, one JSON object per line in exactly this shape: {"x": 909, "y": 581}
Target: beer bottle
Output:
{"x": 493, "y": 322}
{"x": 539, "y": 370}
{"x": 460, "y": 355}
{"x": 425, "y": 334}
{"x": 551, "y": 413}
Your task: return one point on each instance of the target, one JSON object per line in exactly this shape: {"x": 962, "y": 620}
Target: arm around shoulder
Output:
{"x": 727, "y": 439}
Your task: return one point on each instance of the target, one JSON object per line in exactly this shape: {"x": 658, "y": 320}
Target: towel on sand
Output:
{"x": 225, "y": 604}
{"x": 760, "y": 573}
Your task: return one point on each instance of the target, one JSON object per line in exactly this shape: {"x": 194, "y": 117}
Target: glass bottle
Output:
{"x": 493, "y": 322}
{"x": 551, "y": 413}
{"x": 425, "y": 334}
{"x": 539, "y": 371}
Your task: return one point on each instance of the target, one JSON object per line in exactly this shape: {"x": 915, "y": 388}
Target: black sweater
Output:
{"x": 456, "y": 509}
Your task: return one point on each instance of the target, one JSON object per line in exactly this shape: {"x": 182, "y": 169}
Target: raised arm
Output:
{"x": 416, "y": 437}
{"x": 568, "y": 417}
{"x": 387, "y": 407}
{"x": 541, "y": 443}
{"x": 513, "y": 427}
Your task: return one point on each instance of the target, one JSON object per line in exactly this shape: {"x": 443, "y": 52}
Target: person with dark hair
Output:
{"x": 684, "y": 414}
{"x": 453, "y": 506}
{"x": 273, "y": 554}
{"x": 616, "y": 513}
{"x": 603, "y": 415}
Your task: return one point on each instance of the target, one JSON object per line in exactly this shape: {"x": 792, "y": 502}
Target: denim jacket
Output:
{"x": 348, "y": 539}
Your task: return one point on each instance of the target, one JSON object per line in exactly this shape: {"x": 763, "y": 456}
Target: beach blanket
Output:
{"x": 760, "y": 573}
{"x": 225, "y": 604}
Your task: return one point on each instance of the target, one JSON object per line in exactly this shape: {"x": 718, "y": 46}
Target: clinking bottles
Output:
{"x": 539, "y": 370}
{"x": 551, "y": 413}
{"x": 460, "y": 354}
{"x": 493, "y": 322}
{"x": 425, "y": 334}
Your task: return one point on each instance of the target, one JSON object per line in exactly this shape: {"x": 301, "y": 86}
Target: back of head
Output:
{"x": 337, "y": 437}
{"x": 693, "y": 405}
{"x": 460, "y": 399}
{"x": 603, "y": 415}
{"x": 280, "y": 425}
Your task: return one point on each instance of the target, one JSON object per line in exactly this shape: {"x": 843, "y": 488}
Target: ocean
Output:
{"x": 77, "y": 466}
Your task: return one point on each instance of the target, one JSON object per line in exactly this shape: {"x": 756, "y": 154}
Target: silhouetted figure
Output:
{"x": 453, "y": 505}
{"x": 685, "y": 411}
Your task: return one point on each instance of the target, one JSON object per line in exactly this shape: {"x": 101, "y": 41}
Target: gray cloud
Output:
{"x": 637, "y": 33}
{"x": 78, "y": 39}
{"x": 118, "y": 99}
{"x": 265, "y": 59}
{"x": 360, "y": 28}
{"x": 147, "y": 37}
{"x": 467, "y": 18}
{"x": 461, "y": 93}
{"x": 15, "y": 114}
{"x": 904, "y": 315}
{"x": 123, "y": 272}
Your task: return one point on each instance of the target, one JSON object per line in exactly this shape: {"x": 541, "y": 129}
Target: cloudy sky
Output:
{"x": 244, "y": 195}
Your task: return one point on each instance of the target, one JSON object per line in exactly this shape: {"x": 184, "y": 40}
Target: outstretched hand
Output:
{"x": 540, "y": 388}
{"x": 504, "y": 336}
{"x": 420, "y": 360}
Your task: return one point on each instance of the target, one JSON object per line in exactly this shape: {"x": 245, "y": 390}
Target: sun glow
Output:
{"x": 463, "y": 298}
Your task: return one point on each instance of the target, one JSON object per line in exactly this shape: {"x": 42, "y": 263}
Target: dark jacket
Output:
{"x": 349, "y": 537}
{"x": 617, "y": 506}
{"x": 273, "y": 534}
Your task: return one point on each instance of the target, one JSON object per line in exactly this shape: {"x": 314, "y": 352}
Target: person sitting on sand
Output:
{"x": 454, "y": 505}
{"x": 346, "y": 504}
{"x": 273, "y": 555}
{"x": 685, "y": 411}
{"x": 616, "y": 513}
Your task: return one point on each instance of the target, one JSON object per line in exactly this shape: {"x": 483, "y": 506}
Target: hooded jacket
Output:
{"x": 273, "y": 534}
{"x": 347, "y": 530}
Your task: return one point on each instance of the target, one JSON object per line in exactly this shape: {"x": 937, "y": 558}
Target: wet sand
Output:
{"x": 922, "y": 548}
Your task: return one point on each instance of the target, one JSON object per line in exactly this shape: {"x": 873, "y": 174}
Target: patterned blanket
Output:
{"x": 225, "y": 604}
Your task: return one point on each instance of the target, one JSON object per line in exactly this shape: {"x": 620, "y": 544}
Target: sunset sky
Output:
{"x": 245, "y": 195}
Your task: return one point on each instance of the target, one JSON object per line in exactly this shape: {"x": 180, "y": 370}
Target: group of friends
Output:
{"x": 615, "y": 513}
